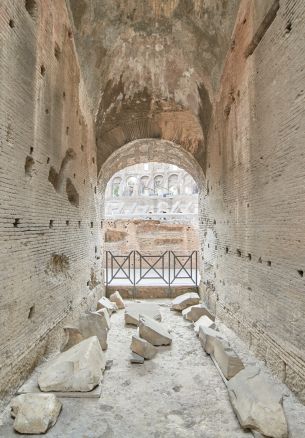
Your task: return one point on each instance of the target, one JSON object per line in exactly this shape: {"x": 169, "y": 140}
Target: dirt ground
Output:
{"x": 177, "y": 394}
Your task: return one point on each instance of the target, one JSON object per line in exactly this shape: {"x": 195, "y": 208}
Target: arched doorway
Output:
{"x": 152, "y": 151}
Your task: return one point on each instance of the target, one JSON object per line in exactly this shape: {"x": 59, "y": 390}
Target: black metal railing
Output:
{"x": 136, "y": 269}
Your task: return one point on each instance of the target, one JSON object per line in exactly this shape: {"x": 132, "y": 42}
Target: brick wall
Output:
{"x": 251, "y": 205}
{"x": 49, "y": 220}
{"x": 254, "y": 215}
{"x": 150, "y": 237}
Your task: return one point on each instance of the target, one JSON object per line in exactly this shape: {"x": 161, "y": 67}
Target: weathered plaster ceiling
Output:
{"x": 151, "y": 67}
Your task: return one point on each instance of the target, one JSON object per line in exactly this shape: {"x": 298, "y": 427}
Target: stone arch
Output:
{"x": 160, "y": 151}
{"x": 151, "y": 150}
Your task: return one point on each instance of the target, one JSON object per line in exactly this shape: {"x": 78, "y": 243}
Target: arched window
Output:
{"x": 116, "y": 183}
{"x": 190, "y": 187}
{"x": 195, "y": 188}
{"x": 144, "y": 189}
{"x": 158, "y": 183}
{"x": 173, "y": 187}
{"x": 131, "y": 184}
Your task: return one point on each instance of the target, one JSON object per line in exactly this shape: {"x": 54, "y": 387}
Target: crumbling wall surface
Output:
{"x": 150, "y": 237}
{"x": 255, "y": 228}
{"x": 49, "y": 222}
{"x": 150, "y": 67}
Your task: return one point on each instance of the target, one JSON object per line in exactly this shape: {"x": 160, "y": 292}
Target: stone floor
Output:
{"x": 177, "y": 394}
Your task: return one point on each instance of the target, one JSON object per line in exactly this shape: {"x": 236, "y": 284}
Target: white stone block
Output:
{"x": 258, "y": 403}
{"x": 153, "y": 331}
{"x": 193, "y": 313}
{"x": 186, "y": 300}
{"x": 35, "y": 413}
{"x": 117, "y": 299}
{"x": 142, "y": 347}
{"x": 78, "y": 369}
{"x": 203, "y": 321}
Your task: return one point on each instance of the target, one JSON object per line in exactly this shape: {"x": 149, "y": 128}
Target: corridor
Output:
{"x": 153, "y": 131}
{"x": 177, "y": 394}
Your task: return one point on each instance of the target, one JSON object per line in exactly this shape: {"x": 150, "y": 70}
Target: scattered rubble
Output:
{"x": 72, "y": 336}
{"x": 227, "y": 359}
{"x": 95, "y": 324}
{"x": 35, "y": 413}
{"x": 106, "y": 318}
{"x": 193, "y": 313}
{"x": 117, "y": 299}
{"x": 153, "y": 331}
{"x": 89, "y": 324}
{"x": 207, "y": 337}
{"x": 142, "y": 347}
{"x": 257, "y": 403}
{"x": 78, "y": 369}
{"x": 183, "y": 301}
{"x": 105, "y": 303}
{"x": 203, "y": 321}
{"x": 134, "y": 310}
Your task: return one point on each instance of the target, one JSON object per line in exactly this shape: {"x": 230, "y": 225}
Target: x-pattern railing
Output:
{"x": 117, "y": 265}
{"x": 168, "y": 267}
{"x": 191, "y": 259}
{"x": 151, "y": 266}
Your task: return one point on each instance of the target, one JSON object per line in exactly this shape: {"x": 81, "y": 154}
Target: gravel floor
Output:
{"x": 177, "y": 394}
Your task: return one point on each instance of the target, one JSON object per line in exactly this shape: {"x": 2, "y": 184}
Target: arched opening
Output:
{"x": 173, "y": 187}
{"x": 130, "y": 186}
{"x": 144, "y": 190}
{"x": 116, "y": 184}
{"x": 159, "y": 188}
{"x": 154, "y": 214}
{"x": 151, "y": 195}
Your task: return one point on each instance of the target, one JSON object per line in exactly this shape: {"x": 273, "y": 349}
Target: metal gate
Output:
{"x": 168, "y": 268}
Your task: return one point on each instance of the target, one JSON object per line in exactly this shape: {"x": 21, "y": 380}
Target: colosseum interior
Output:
{"x": 209, "y": 97}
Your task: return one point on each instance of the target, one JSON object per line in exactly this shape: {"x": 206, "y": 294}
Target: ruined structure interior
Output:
{"x": 106, "y": 107}
{"x": 152, "y": 208}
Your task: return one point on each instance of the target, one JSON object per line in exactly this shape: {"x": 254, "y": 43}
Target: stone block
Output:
{"x": 133, "y": 311}
{"x": 257, "y": 403}
{"x": 193, "y": 313}
{"x": 106, "y": 319}
{"x": 95, "y": 324}
{"x": 203, "y": 321}
{"x": 117, "y": 299}
{"x": 226, "y": 358}
{"x": 78, "y": 369}
{"x": 153, "y": 331}
{"x": 208, "y": 337}
{"x": 89, "y": 324}
{"x": 142, "y": 347}
{"x": 105, "y": 303}
{"x": 72, "y": 336}
{"x": 186, "y": 300}
{"x": 136, "y": 358}
{"x": 35, "y": 413}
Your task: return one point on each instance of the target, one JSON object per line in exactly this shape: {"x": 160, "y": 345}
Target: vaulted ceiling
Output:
{"x": 151, "y": 67}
